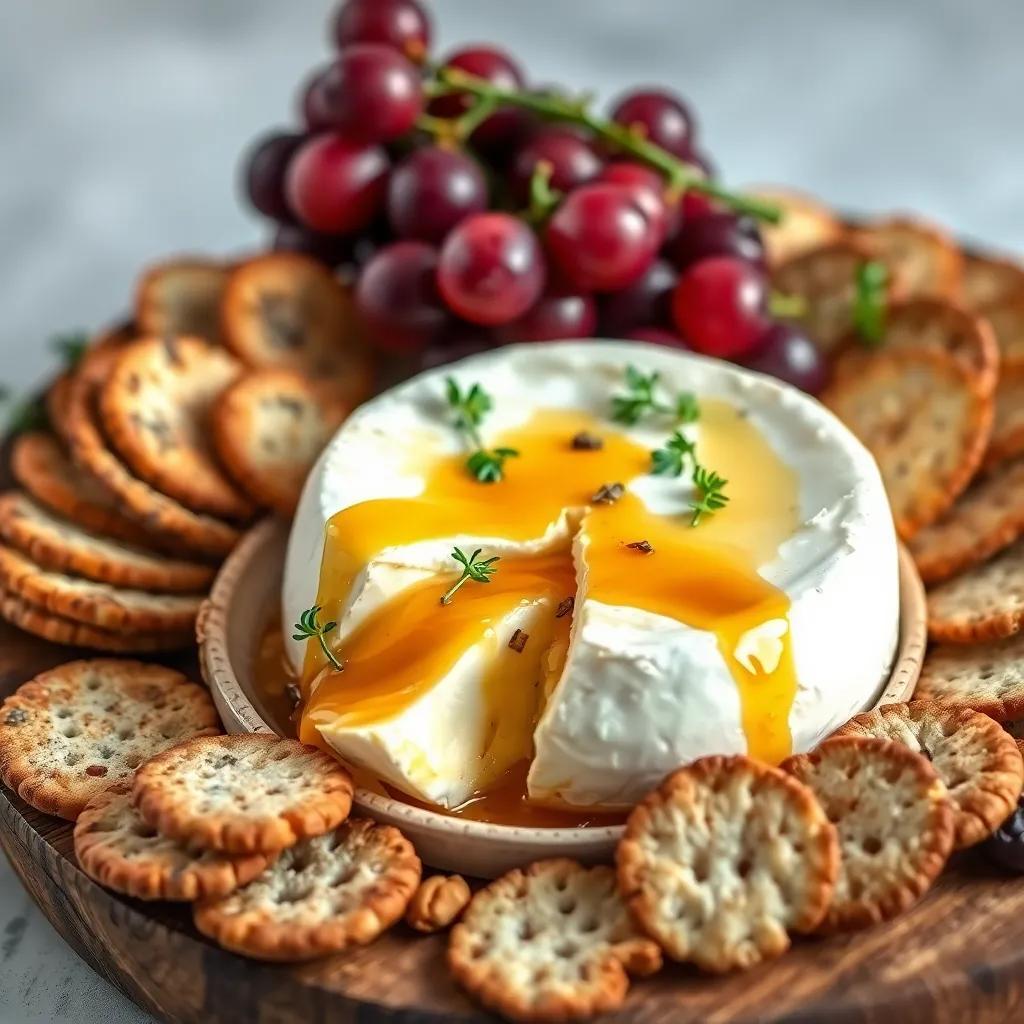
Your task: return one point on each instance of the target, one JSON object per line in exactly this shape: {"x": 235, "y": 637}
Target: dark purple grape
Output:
{"x": 659, "y": 336}
{"x": 718, "y": 234}
{"x": 573, "y": 160}
{"x": 559, "y": 313}
{"x": 1006, "y": 845}
{"x": 660, "y": 117}
{"x": 433, "y": 189}
{"x": 787, "y": 353}
{"x": 402, "y": 24}
{"x": 333, "y": 250}
{"x": 648, "y": 300}
{"x": 265, "y": 167}
{"x": 312, "y": 108}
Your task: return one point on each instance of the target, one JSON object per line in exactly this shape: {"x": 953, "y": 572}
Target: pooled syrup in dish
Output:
{"x": 704, "y": 576}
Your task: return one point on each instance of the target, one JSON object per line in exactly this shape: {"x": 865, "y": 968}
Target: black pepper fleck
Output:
{"x": 643, "y": 546}
{"x": 585, "y": 442}
{"x": 518, "y": 641}
{"x": 565, "y": 607}
{"x": 608, "y": 494}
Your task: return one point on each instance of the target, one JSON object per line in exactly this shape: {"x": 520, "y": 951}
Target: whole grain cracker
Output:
{"x": 553, "y": 941}
{"x": 991, "y": 280}
{"x": 268, "y": 429}
{"x": 322, "y": 896}
{"x": 70, "y": 732}
{"x": 894, "y": 820}
{"x": 806, "y": 223}
{"x": 437, "y": 903}
{"x": 1007, "y": 441}
{"x": 978, "y": 762}
{"x": 725, "y": 859}
{"x": 118, "y": 849}
{"x": 61, "y": 546}
{"x": 155, "y": 408}
{"x": 986, "y": 677}
{"x": 181, "y": 297}
{"x": 251, "y": 793}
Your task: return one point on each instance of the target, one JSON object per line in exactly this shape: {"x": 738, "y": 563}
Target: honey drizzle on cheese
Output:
{"x": 706, "y": 577}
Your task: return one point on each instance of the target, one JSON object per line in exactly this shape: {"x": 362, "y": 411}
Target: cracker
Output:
{"x": 926, "y": 423}
{"x": 1007, "y": 319}
{"x": 155, "y": 409}
{"x": 550, "y": 942}
{"x": 923, "y": 256}
{"x": 42, "y": 467}
{"x": 66, "y": 735}
{"x": 268, "y": 429}
{"x": 894, "y": 821}
{"x": 725, "y": 859}
{"x": 988, "y": 678}
{"x": 806, "y": 224}
{"x": 181, "y": 297}
{"x": 118, "y": 849}
{"x": 1007, "y": 441}
{"x": 58, "y": 545}
{"x": 985, "y": 519}
{"x": 990, "y": 280}
{"x": 243, "y": 794}
{"x": 984, "y": 603}
{"x": 288, "y": 311}
{"x": 437, "y": 903}
{"x": 977, "y": 761}
{"x": 327, "y": 894}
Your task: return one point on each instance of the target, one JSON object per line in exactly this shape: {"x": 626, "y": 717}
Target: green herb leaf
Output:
{"x": 687, "y": 407}
{"x": 479, "y": 570}
{"x": 869, "y": 302}
{"x": 26, "y": 415}
{"x": 710, "y": 490}
{"x": 488, "y": 466}
{"x": 70, "y": 347}
{"x": 469, "y": 407}
{"x": 639, "y": 401}
{"x": 307, "y": 628}
{"x": 670, "y": 460}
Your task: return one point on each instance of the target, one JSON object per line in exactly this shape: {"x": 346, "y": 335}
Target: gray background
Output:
{"x": 121, "y": 122}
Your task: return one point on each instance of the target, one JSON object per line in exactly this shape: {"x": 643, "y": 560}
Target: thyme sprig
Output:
{"x": 641, "y": 399}
{"x": 672, "y": 457}
{"x": 307, "y": 628}
{"x": 711, "y": 493}
{"x": 479, "y": 570}
{"x": 869, "y": 302}
{"x": 469, "y": 407}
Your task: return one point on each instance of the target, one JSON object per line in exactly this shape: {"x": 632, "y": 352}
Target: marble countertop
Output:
{"x": 122, "y": 124}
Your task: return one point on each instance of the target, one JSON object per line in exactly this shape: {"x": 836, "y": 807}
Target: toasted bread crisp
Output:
{"x": 70, "y": 732}
{"x": 725, "y": 859}
{"x": 989, "y": 281}
{"x": 983, "y": 603}
{"x": 118, "y": 849}
{"x": 926, "y": 423}
{"x": 269, "y": 428}
{"x": 1007, "y": 440}
{"x": 806, "y": 224}
{"x": 985, "y": 519}
{"x": 288, "y": 311}
{"x": 438, "y": 903}
{"x": 977, "y": 761}
{"x": 551, "y": 942}
{"x": 181, "y": 297}
{"x": 894, "y": 820}
{"x": 61, "y": 546}
{"x": 155, "y": 409}
{"x": 324, "y": 895}
{"x": 923, "y": 256}
{"x": 243, "y": 794}
{"x": 986, "y": 677}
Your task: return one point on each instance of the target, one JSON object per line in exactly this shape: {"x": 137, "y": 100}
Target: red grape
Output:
{"x": 647, "y": 300}
{"x": 559, "y": 313}
{"x": 718, "y": 234}
{"x": 491, "y": 268}
{"x": 336, "y": 186}
{"x": 371, "y": 93}
{"x": 330, "y": 249}
{"x": 397, "y": 297}
{"x": 659, "y": 117}
{"x": 651, "y": 189}
{"x": 431, "y": 190}
{"x": 787, "y": 353}
{"x": 601, "y": 237}
{"x": 719, "y": 306}
{"x": 265, "y": 167}
{"x": 659, "y": 336}
{"x": 402, "y": 24}
{"x": 573, "y": 161}
{"x": 311, "y": 101}
{"x": 694, "y": 205}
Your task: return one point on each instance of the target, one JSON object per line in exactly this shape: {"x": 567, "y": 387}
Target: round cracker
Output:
{"x": 327, "y": 894}
{"x": 181, "y": 297}
{"x": 926, "y": 423}
{"x": 990, "y": 280}
{"x": 978, "y": 762}
{"x": 553, "y": 941}
{"x": 725, "y": 859}
{"x": 806, "y": 223}
{"x": 70, "y": 732}
{"x": 61, "y": 546}
{"x": 268, "y": 429}
{"x": 988, "y": 678}
{"x": 118, "y": 849}
{"x": 155, "y": 409}
{"x": 1007, "y": 441}
{"x": 286, "y": 310}
{"x": 243, "y": 794}
{"x": 985, "y": 519}
{"x": 894, "y": 820}
{"x": 96, "y": 604}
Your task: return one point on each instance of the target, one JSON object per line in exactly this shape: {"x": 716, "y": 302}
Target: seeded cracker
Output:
{"x": 181, "y": 297}
{"x": 985, "y": 677}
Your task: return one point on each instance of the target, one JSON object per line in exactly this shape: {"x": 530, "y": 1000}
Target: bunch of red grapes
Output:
{"x": 472, "y": 210}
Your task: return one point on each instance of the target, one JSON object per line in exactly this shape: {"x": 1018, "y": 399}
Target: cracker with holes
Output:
{"x": 1007, "y": 441}
{"x": 806, "y": 224}
{"x": 118, "y": 849}
{"x": 983, "y": 603}
{"x": 437, "y": 903}
{"x": 725, "y": 860}
{"x": 985, "y": 519}
{"x": 155, "y": 408}
{"x": 978, "y": 761}
{"x": 243, "y": 794}
{"x": 925, "y": 421}
{"x": 553, "y": 941}
{"x": 288, "y": 311}
{"x": 923, "y": 256}
{"x": 326, "y": 894}
{"x": 984, "y": 677}
{"x": 181, "y": 297}
{"x": 894, "y": 820}
{"x": 991, "y": 280}
{"x": 66, "y": 735}
{"x": 61, "y": 546}
{"x": 96, "y": 604}
{"x": 268, "y": 429}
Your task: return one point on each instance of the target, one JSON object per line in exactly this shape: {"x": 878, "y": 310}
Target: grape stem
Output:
{"x": 681, "y": 176}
